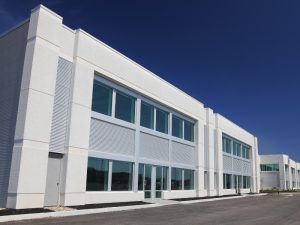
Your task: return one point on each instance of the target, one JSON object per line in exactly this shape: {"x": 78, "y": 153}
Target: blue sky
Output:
{"x": 240, "y": 58}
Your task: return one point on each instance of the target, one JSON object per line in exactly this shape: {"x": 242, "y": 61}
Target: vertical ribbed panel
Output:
{"x": 183, "y": 154}
{"x": 237, "y": 165}
{"x": 62, "y": 98}
{"x": 227, "y": 163}
{"x": 12, "y": 54}
{"x": 110, "y": 138}
{"x": 152, "y": 147}
{"x": 246, "y": 167}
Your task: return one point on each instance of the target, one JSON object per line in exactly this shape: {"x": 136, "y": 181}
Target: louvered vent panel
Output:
{"x": 60, "y": 119}
{"x": 227, "y": 163}
{"x": 110, "y": 138}
{"x": 237, "y": 165}
{"x": 152, "y": 147}
{"x": 246, "y": 167}
{"x": 183, "y": 154}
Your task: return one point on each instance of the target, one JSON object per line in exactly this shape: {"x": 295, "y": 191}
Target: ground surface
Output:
{"x": 265, "y": 210}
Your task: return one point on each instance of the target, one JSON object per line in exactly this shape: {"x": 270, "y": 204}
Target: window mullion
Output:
{"x": 113, "y": 110}
{"x": 109, "y": 174}
{"x": 154, "y": 118}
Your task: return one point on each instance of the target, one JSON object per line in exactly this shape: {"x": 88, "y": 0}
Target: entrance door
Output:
{"x": 148, "y": 181}
{"x": 158, "y": 182}
{"x": 53, "y": 179}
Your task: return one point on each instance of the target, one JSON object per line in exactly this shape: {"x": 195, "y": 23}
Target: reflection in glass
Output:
{"x": 162, "y": 121}
{"x": 176, "y": 181}
{"x": 121, "y": 176}
{"x": 125, "y": 107}
{"x": 188, "y": 131}
{"x": 147, "y": 115}
{"x": 97, "y": 175}
{"x": 188, "y": 179}
{"x": 102, "y": 98}
{"x": 141, "y": 177}
{"x": 177, "y": 126}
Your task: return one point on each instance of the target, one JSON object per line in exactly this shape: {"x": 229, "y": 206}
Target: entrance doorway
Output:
{"x": 155, "y": 180}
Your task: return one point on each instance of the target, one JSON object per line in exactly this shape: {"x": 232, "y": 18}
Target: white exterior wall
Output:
{"x": 284, "y": 176}
{"x": 49, "y": 40}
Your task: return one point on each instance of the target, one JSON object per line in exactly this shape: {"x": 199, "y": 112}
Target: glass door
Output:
{"x": 158, "y": 182}
{"x": 148, "y": 181}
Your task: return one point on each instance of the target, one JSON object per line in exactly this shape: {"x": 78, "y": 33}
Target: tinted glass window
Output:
{"x": 188, "y": 131}
{"x": 176, "y": 181}
{"x": 188, "y": 179}
{"x": 121, "y": 176}
{"x": 161, "y": 121}
{"x": 147, "y": 115}
{"x": 141, "y": 177}
{"x": 177, "y": 124}
{"x": 165, "y": 178}
{"x": 236, "y": 149}
{"x": 97, "y": 175}
{"x": 125, "y": 107}
{"x": 226, "y": 145}
{"x": 102, "y": 98}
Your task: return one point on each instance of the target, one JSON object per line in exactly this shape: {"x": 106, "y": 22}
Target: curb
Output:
{"x": 212, "y": 200}
{"x": 72, "y": 213}
{"x": 20, "y": 217}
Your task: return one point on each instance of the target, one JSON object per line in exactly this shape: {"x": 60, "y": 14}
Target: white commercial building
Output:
{"x": 279, "y": 172}
{"x": 82, "y": 124}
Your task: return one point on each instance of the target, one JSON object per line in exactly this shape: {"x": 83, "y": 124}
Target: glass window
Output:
{"x": 236, "y": 148}
{"x": 177, "y": 124}
{"x": 188, "y": 179}
{"x": 227, "y": 181}
{"x": 176, "y": 181}
{"x": 141, "y": 177}
{"x": 162, "y": 121}
{"x": 188, "y": 131}
{"x": 97, "y": 174}
{"x": 165, "y": 178}
{"x": 121, "y": 176}
{"x": 102, "y": 98}
{"x": 147, "y": 115}
{"x": 246, "y": 182}
{"x": 226, "y": 145}
{"x": 269, "y": 167}
{"x": 125, "y": 107}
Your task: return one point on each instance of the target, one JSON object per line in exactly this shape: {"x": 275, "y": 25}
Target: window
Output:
{"x": 177, "y": 126}
{"x": 236, "y": 148}
{"x": 125, "y": 107}
{"x": 141, "y": 177}
{"x": 162, "y": 121}
{"x": 121, "y": 176}
{"x": 245, "y": 152}
{"x": 246, "y": 182}
{"x": 176, "y": 181}
{"x": 97, "y": 175}
{"x": 165, "y": 178}
{"x": 188, "y": 179}
{"x": 188, "y": 131}
{"x": 227, "y": 145}
{"x": 147, "y": 116}
{"x": 227, "y": 181}
{"x": 102, "y": 99}
{"x": 269, "y": 167}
